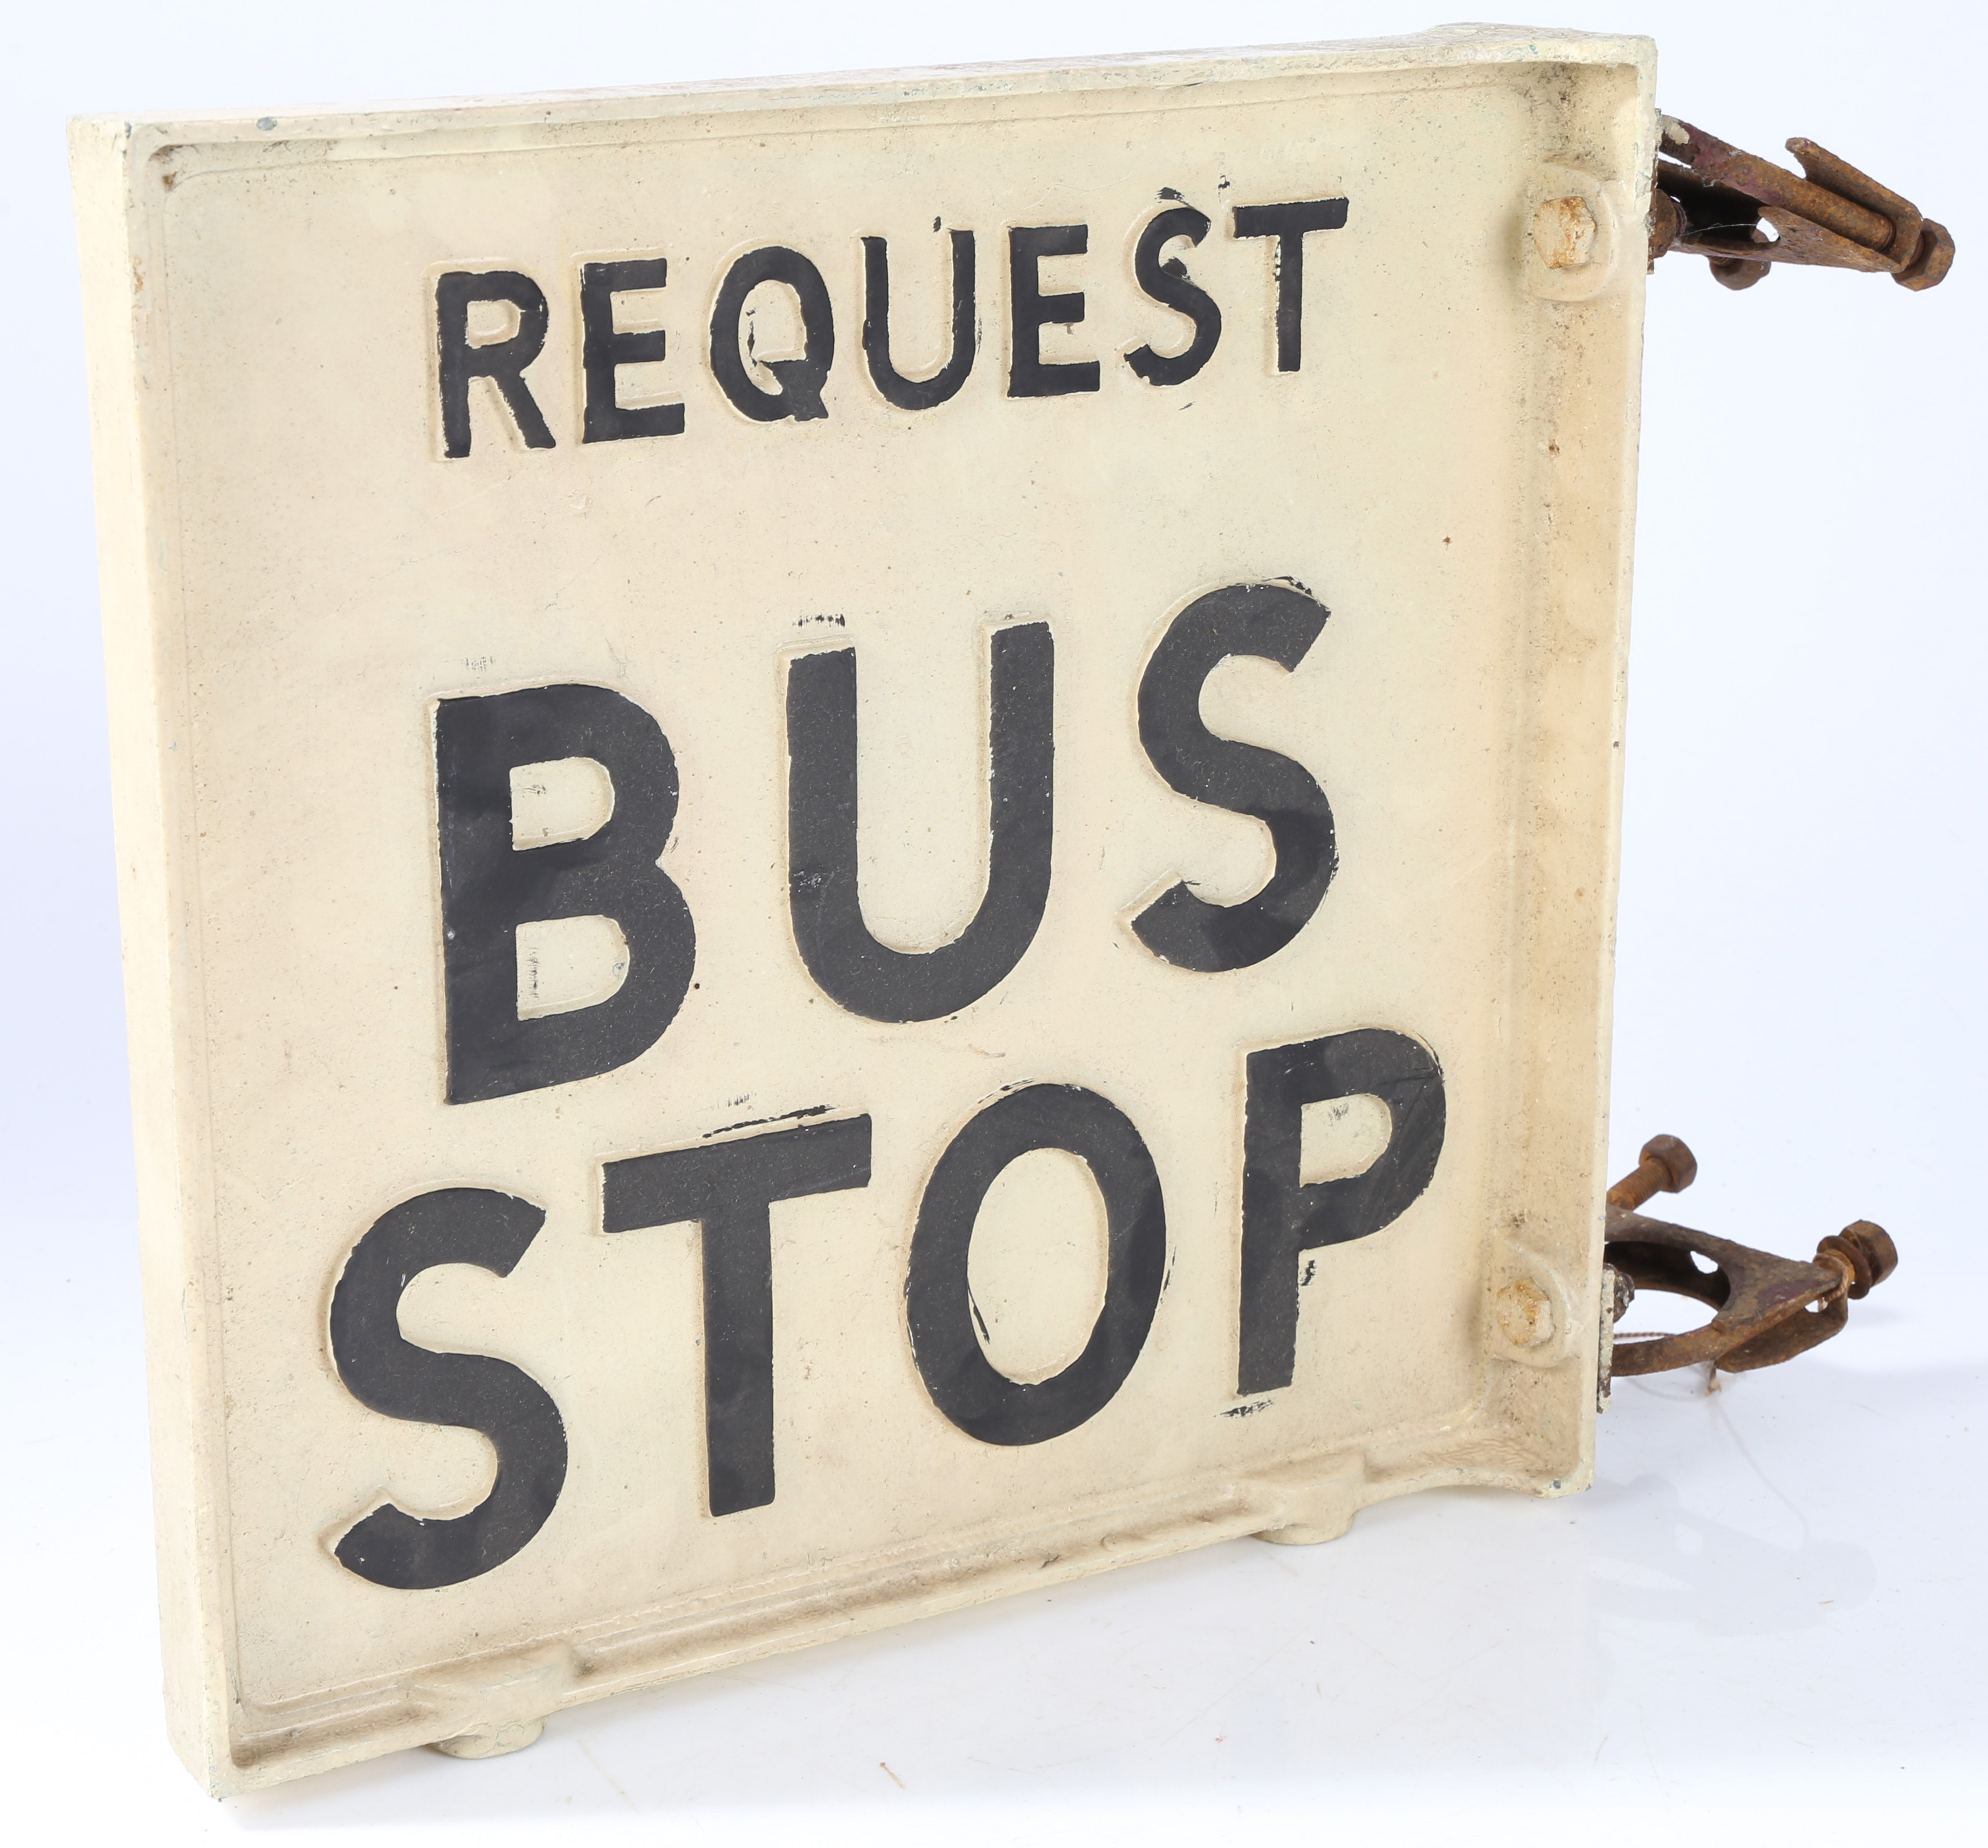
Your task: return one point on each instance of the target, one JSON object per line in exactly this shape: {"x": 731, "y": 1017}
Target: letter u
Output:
{"x": 851, "y": 966}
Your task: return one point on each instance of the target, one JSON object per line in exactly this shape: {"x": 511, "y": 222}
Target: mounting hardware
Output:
{"x": 1769, "y": 1308}
{"x": 1711, "y": 199}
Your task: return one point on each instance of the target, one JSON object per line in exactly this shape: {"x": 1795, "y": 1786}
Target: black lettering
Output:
{"x": 489, "y": 887}
{"x": 964, "y": 1384}
{"x": 1167, "y": 283}
{"x": 604, "y": 349}
{"x": 1273, "y": 623}
{"x": 502, "y": 362}
{"x": 800, "y": 380}
{"x": 1288, "y": 223}
{"x": 918, "y": 393}
{"x": 1029, "y": 311}
{"x": 1283, "y": 1217}
{"x": 382, "y": 1370}
{"x": 850, "y": 965}
{"x": 727, "y": 1189}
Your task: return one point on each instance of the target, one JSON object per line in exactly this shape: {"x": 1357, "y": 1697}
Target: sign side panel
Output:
{"x": 148, "y": 792}
{"x": 1583, "y": 422}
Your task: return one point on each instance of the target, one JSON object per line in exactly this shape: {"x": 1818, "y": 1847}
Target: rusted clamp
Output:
{"x": 1715, "y": 200}
{"x": 1769, "y": 1308}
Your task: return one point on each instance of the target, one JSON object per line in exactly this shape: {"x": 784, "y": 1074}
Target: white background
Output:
{"x": 1771, "y": 1604}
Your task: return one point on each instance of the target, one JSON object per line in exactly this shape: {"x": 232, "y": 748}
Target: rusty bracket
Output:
{"x": 1744, "y": 214}
{"x": 1769, "y": 1308}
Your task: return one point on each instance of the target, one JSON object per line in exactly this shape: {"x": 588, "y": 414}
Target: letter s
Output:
{"x": 1273, "y": 623}
{"x": 382, "y": 1369}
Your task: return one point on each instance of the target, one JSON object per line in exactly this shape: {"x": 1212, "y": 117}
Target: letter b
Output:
{"x": 490, "y": 886}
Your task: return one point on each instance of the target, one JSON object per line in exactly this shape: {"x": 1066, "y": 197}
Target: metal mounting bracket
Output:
{"x": 1769, "y": 1308}
{"x": 1743, "y": 214}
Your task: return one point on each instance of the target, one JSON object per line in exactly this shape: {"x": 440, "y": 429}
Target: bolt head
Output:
{"x": 1563, "y": 234}
{"x": 1525, "y": 1313}
{"x": 1679, "y": 1165}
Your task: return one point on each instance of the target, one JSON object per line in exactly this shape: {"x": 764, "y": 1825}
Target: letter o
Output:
{"x": 964, "y": 1384}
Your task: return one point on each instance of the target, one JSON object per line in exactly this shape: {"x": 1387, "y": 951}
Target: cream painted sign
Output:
{"x": 868, "y": 832}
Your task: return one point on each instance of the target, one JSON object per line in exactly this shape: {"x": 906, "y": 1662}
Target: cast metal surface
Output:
{"x": 1769, "y": 1308}
{"x": 1743, "y": 214}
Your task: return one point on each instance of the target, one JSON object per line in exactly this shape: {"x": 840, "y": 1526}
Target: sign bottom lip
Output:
{"x": 1303, "y": 1502}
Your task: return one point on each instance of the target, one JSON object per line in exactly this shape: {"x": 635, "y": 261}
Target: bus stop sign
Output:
{"x": 868, "y": 835}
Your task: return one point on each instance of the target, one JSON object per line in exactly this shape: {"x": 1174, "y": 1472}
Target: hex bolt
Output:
{"x": 1525, "y": 1313}
{"x": 1667, "y": 1166}
{"x": 1865, "y": 1251}
{"x": 1564, "y": 234}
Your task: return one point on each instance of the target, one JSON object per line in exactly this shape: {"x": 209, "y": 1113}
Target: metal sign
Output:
{"x": 868, "y": 834}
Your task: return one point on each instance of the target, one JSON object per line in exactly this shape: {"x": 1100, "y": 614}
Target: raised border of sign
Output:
{"x": 1528, "y": 1432}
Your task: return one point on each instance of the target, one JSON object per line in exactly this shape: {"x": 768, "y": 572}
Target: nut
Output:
{"x": 1563, "y": 234}
{"x": 1866, "y": 1250}
{"x": 1525, "y": 1313}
